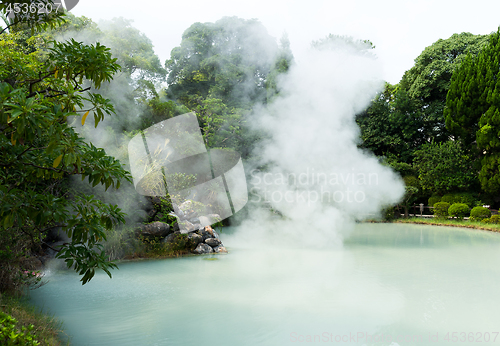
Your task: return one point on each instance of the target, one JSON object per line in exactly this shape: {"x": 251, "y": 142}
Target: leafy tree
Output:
{"x": 40, "y": 88}
{"x": 227, "y": 60}
{"x": 133, "y": 90}
{"x": 155, "y": 105}
{"x": 472, "y": 112}
{"x": 391, "y": 126}
{"x": 428, "y": 81}
{"x": 282, "y": 64}
{"x": 445, "y": 167}
{"x": 338, "y": 42}
{"x": 412, "y": 189}
{"x": 23, "y": 15}
{"x": 220, "y": 125}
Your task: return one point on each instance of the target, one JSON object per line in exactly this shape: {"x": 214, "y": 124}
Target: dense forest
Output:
{"x": 70, "y": 87}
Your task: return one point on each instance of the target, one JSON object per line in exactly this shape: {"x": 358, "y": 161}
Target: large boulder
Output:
{"x": 176, "y": 240}
{"x": 188, "y": 227}
{"x": 203, "y": 248}
{"x": 194, "y": 239}
{"x": 155, "y": 229}
{"x": 213, "y": 242}
{"x": 178, "y": 212}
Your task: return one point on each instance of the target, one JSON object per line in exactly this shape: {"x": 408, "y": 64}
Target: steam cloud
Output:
{"x": 315, "y": 175}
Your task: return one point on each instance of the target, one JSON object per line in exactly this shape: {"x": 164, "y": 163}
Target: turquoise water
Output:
{"x": 390, "y": 284}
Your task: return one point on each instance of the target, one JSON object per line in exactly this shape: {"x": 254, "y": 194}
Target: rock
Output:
{"x": 171, "y": 237}
{"x": 203, "y": 248}
{"x": 212, "y": 242}
{"x": 198, "y": 227}
{"x": 194, "y": 239}
{"x": 194, "y": 220}
{"x": 190, "y": 215}
{"x": 220, "y": 249}
{"x": 186, "y": 206}
{"x": 156, "y": 200}
{"x": 155, "y": 229}
{"x": 152, "y": 213}
{"x": 178, "y": 212}
{"x": 210, "y": 219}
{"x": 206, "y": 234}
{"x": 177, "y": 240}
{"x": 209, "y": 230}
{"x": 187, "y": 227}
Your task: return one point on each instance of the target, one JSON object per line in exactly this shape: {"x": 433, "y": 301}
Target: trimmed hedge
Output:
{"x": 441, "y": 209}
{"x": 458, "y": 210}
{"x": 479, "y": 213}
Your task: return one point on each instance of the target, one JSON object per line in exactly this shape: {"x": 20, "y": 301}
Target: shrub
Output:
{"x": 479, "y": 213}
{"x": 494, "y": 219}
{"x": 467, "y": 198}
{"x": 441, "y": 209}
{"x": 458, "y": 210}
{"x": 433, "y": 200}
{"x": 11, "y": 335}
{"x": 451, "y": 198}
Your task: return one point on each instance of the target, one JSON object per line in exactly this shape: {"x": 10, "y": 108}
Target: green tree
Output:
{"x": 227, "y": 60}
{"x": 428, "y": 81}
{"x": 133, "y": 90}
{"x": 391, "y": 126}
{"x": 338, "y": 42}
{"x": 472, "y": 109}
{"x": 445, "y": 167}
{"x": 41, "y": 87}
{"x": 282, "y": 64}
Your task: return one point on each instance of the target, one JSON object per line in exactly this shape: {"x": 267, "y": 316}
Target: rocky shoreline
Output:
{"x": 202, "y": 240}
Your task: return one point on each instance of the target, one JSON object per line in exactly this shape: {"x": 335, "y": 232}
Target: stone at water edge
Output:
{"x": 212, "y": 242}
{"x": 206, "y": 234}
{"x": 194, "y": 239}
{"x": 220, "y": 249}
{"x": 155, "y": 229}
{"x": 203, "y": 248}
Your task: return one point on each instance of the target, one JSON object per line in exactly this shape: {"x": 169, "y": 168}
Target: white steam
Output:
{"x": 315, "y": 174}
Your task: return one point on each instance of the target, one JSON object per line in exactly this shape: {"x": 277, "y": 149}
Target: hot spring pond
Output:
{"x": 390, "y": 284}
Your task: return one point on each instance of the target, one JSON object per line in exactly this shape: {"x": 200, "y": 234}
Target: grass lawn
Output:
{"x": 451, "y": 222}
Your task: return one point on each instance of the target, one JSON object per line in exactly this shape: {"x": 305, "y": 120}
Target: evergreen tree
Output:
{"x": 472, "y": 109}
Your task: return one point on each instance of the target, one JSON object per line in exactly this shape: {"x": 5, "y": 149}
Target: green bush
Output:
{"x": 10, "y": 335}
{"x": 467, "y": 198}
{"x": 458, "y": 210}
{"x": 479, "y": 213}
{"x": 494, "y": 219}
{"x": 441, "y": 209}
{"x": 451, "y": 198}
{"x": 433, "y": 200}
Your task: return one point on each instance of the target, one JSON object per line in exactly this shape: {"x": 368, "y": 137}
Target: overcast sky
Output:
{"x": 400, "y": 29}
